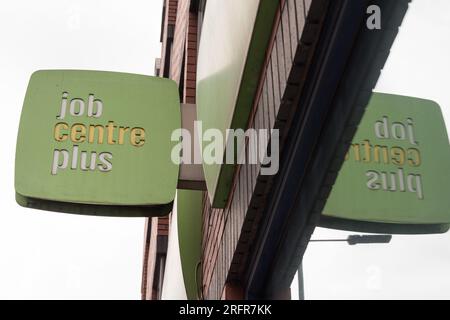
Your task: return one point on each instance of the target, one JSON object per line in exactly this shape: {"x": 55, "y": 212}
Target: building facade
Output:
{"x": 309, "y": 72}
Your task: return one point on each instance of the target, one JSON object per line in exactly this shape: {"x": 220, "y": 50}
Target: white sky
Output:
{"x": 49, "y": 255}
{"x": 410, "y": 267}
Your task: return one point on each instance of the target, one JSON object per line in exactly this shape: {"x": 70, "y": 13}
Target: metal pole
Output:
{"x": 329, "y": 240}
{"x": 301, "y": 285}
{"x": 351, "y": 240}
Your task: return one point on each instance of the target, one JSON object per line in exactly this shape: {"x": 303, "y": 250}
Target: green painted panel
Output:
{"x": 189, "y": 206}
{"x": 98, "y": 139}
{"x": 235, "y": 36}
{"x": 397, "y": 171}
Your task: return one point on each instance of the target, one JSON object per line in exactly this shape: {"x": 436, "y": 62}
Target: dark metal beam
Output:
{"x": 346, "y": 67}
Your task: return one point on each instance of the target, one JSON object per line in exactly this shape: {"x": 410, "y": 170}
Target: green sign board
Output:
{"x": 396, "y": 175}
{"x": 231, "y": 56}
{"x": 189, "y": 222}
{"x": 97, "y": 143}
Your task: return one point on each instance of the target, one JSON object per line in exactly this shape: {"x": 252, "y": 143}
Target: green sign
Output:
{"x": 97, "y": 143}
{"x": 189, "y": 222}
{"x": 396, "y": 174}
{"x": 231, "y": 56}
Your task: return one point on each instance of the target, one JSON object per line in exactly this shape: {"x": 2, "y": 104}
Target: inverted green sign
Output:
{"x": 97, "y": 143}
{"x": 396, "y": 174}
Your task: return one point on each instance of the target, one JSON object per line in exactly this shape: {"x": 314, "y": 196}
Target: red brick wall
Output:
{"x": 169, "y": 21}
{"x": 179, "y": 40}
{"x": 221, "y": 233}
{"x": 190, "y": 71}
{"x": 171, "y": 7}
{"x": 160, "y": 226}
{"x": 163, "y": 226}
{"x": 229, "y": 234}
{"x": 213, "y": 227}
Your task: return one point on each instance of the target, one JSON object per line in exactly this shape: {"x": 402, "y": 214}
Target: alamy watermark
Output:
{"x": 211, "y": 146}
{"x": 374, "y": 20}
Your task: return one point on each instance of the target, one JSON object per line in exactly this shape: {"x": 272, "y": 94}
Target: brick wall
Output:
{"x": 179, "y": 40}
{"x": 155, "y": 228}
{"x": 163, "y": 226}
{"x": 190, "y": 76}
{"x": 230, "y": 233}
{"x": 179, "y": 52}
{"x": 168, "y": 25}
{"x": 171, "y": 6}
{"x": 150, "y": 245}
